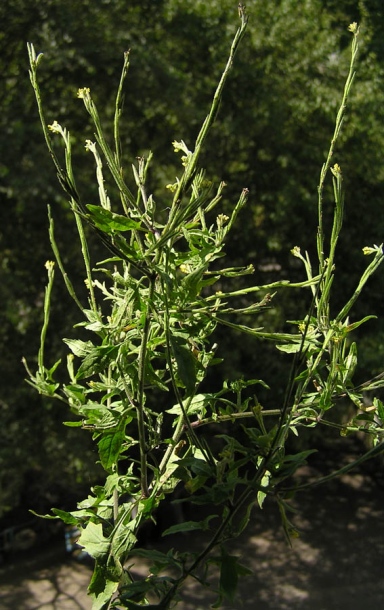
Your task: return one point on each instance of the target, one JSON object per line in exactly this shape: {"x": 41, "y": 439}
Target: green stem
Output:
{"x": 140, "y": 394}
{"x": 169, "y": 354}
{"x": 223, "y": 418}
{"x": 374, "y": 452}
{"x": 327, "y": 164}
{"x": 86, "y": 257}
{"x": 176, "y": 436}
{"x": 280, "y": 284}
{"x": 47, "y": 305}
{"x": 127, "y": 196}
{"x": 192, "y": 163}
{"x": 379, "y": 257}
{"x": 116, "y": 123}
{"x": 33, "y": 62}
{"x": 216, "y": 538}
{"x": 68, "y": 283}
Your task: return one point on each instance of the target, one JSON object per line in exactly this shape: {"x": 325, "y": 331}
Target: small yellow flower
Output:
{"x": 49, "y": 265}
{"x": 185, "y": 268}
{"x": 221, "y": 220}
{"x": 371, "y": 250}
{"x": 89, "y": 145}
{"x": 178, "y": 145}
{"x": 353, "y": 28}
{"x": 181, "y": 146}
{"x": 55, "y": 127}
{"x": 83, "y": 93}
{"x": 336, "y": 170}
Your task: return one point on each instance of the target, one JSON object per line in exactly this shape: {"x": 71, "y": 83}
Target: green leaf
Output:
{"x": 97, "y": 360}
{"x": 130, "y": 605}
{"x": 186, "y": 363}
{"x": 192, "y": 282}
{"x": 147, "y": 506}
{"x": 79, "y": 348}
{"x": 110, "y": 447}
{"x": 75, "y": 392}
{"x": 152, "y": 378}
{"x": 73, "y": 424}
{"x": 290, "y": 530}
{"x": 261, "y": 495}
{"x": 240, "y": 384}
{"x": 104, "y": 582}
{"x": 228, "y": 576}
{"x": 93, "y": 541}
{"x": 380, "y": 408}
{"x": 197, "y": 405}
{"x": 135, "y": 590}
{"x": 245, "y": 518}
{"x": 94, "y": 319}
{"x": 299, "y": 458}
{"x": 53, "y": 369}
{"x": 217, "y": 494}
{"x": 264, "y": 441}
{"x": 189, "y": 526}
{"x": 124, "y": 539}
{"x": 47, "y": 389}
{"x": 33, "y": 512}
{"x": 197, "y": 465}
{"x": 66, "y": 517}
{"x": 159, "y": 561}
{"x": 151, "y": 554}
{"x": 109, "y": 222}
{"x": 350, "y": 363}
{"x": 351, "y": 327}
{"x": 192, "y": 485}
{"x": 291, "y": 348}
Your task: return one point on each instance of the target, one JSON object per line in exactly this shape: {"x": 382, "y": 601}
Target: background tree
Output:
{"x": 271, "y": 137}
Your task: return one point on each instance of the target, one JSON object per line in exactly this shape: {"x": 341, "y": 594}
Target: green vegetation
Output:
{"x": 138, "y": 367}
{"x": 271, "y": 135}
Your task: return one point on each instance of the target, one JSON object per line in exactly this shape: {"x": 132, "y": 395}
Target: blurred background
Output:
{"x": 271, "y": 136}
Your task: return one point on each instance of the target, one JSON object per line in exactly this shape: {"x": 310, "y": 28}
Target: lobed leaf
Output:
{"x": 93, "y": 540}
{"x": 109, "y": 222}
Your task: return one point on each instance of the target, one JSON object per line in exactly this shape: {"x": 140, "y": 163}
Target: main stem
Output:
{"x": 140, "y": 394}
